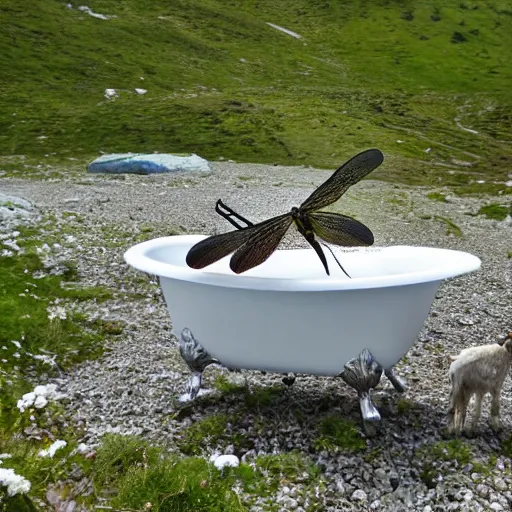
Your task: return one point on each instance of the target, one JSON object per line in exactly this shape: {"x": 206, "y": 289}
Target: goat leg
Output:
{"x": 495, "y": 411}
{"x": 478, "y": 411}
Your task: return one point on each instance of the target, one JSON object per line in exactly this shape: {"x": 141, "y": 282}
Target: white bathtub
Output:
{"x": 287, "y": 315}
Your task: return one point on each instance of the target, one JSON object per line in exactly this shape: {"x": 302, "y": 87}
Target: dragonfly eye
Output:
{"x": 295, "y": 211}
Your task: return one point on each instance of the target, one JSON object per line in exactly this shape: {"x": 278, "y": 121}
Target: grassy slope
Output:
{"x": 222, "y": 83}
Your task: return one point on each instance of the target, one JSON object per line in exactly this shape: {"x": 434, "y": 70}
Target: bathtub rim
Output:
{"x": 137, "y": 257}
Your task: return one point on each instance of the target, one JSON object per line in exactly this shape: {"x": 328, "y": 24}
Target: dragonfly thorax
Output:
{"x": 295, "y": 212}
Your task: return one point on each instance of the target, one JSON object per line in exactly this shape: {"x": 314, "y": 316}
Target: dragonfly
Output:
{"x": 253, "y": 245}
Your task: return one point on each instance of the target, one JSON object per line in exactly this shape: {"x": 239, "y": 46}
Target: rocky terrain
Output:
{"x": 409, "y": 463}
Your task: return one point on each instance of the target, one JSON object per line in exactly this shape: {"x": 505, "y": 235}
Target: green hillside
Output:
{"x": 223, "y": 83}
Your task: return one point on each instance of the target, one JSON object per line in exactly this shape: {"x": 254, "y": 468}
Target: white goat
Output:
{"x": 478, "y": 371}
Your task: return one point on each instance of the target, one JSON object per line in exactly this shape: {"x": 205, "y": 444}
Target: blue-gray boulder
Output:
{"x": 139, "y": 163}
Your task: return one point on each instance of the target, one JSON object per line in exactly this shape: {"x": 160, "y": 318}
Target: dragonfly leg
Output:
{"x": 399, "y": 383}
{"x": 363, "y": 373}
{"x": 197, "y": 359}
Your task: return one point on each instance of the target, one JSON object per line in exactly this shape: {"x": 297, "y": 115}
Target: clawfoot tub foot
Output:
{"x": 363, "y": 373}
{"x": 197, "y": 359}
{"x": 399, "y": 383}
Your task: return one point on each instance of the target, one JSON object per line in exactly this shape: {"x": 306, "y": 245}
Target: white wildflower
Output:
{"x": 17, "y": 343}
{"x": 39, "y": 397}
{"x": 40, "y": 402}
{"x": 15, "y": 484}
{"x": 140, "y": 91}
{"x": 6, "y": 253}
{"x": 45, "y": 359}
{"x": 26, "y": 401}
{"x": 83, "y": 448}
{"x": 16, "y": 355}
{"x": 57, "y": 312}
{"x": 50, "y": 452}
{"x": 46, "y": 391}
{"x": 221, "y": 461}
{"x": 5, "y": 456}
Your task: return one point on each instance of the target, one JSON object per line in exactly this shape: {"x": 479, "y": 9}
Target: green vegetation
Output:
{"x": 437, "y": 196}
{"x": 338, "y": 433}
{"x": 222, "y": 83}
{"x": 261, "y": 396}
{"x": 453, "y": 450}
{"x": 404, "y": 405}
{"x": 453, "y": 229}
{"x": 207, "y": 431}
{"x": 495, "y": 211}
{"x": 146, "y": 474}
{"x": 42, "y": 330}
{"x": 143, "y": 474}
{"x": 506, "y": 446}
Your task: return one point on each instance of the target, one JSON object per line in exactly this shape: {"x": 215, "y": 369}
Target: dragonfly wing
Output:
{"x": 339, "y": 229}
{"x": 263, "y": 242}
{"x": 215, "y": 247}
{"x": 347, "y": 175}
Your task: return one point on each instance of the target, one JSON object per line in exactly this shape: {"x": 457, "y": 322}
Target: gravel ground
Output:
{"x": 134, "y": 386}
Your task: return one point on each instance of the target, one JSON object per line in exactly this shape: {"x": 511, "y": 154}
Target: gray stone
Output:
{"x": 359, "y": 495}
{"x": 482, "y": 490}
{"x": 500, "y": 484}
{"x": 147, "y": 163}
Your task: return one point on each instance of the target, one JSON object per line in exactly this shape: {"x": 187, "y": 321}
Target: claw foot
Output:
{"x": 197, "y": 359}
{"x": 363, "y": 373}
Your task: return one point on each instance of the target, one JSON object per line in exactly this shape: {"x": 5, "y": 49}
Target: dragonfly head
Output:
{"x": 295, "y": 212}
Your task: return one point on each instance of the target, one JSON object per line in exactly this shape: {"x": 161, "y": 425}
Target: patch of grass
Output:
{"x": 455, "y": 451}
{"x": 453, "y": 229}
{"x": 207, "y": 431}
{"x": 404, "y": 405}
{"x": 143, "y": 474}
{"x": 509, "y": 254}
{"x": 451, "y": 450}
{"x": 437, "y": 196}
{"x": 286, "y": 468}
{"x": 261, "y": 396}
{"x": 225, "y": 386}
{"x": 338, "y": 433}
{"x": 506, "y": 446}
{"x": 495, "y": 211}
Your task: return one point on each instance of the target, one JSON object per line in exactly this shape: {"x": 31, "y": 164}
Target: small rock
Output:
{"x": 359, "y": 495}
{"x": 500, "y": 484}
{"x": 482, "y": 490}
{"x": 496, "y": 506}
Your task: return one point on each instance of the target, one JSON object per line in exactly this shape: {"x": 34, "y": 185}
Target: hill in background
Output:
{"x": 427, "y": 83}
